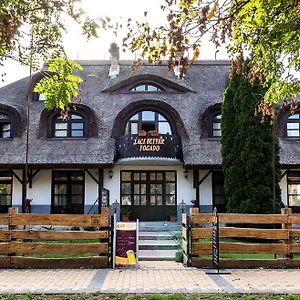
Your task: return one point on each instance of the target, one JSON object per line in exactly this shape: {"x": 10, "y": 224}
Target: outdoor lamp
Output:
{"x": 116, "y": 205}
{"x": 182, "y": 206}
{"x": 110, "y": 173}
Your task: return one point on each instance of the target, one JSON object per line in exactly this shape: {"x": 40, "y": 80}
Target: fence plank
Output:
{"x": 295, "y": 233}
{"x": 294, "y": 218}
{"x": 295, "y": 248}
{"x": 60, "y": 263}
{"x": 4, "y": 219}
{"x": 58, "y": 248}
{"x": 5, "y": 248}
{"x": 252, "y": 218}
{"x": 198, "y": 233}
{"x": 58, "y": 235}
{"x": 255, "y": 248}
{"x": 5, "y": 262}
{"x": 234, "y": 232}
{"x": 198, "y": 219}
{"x": 59, "y": 219}
{"x": 4, "y": 235}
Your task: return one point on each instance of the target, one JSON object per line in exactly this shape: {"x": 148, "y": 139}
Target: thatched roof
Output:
{"x": 188, "y": 101}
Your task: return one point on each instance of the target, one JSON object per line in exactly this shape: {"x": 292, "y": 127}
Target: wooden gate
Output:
{"x": 47, "y": 241}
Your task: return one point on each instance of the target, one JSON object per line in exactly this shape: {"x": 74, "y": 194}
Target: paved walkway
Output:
{"x": 162, "y": 277}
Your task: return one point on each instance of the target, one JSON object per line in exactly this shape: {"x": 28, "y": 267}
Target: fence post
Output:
{"x": 288, "y": 226}
{"x": 11, "y": 212}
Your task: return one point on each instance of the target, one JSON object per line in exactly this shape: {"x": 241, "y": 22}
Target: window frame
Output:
{"x": 148, "y": 181}
{"x": 7, "y": 121}
{"x": 139, "y": 121}
{"x": 70, "y": 208}
{"x": 146, "y": 87}
{"x": 55, "y": 120}
{"x": 292, "y": 121}
{"x": 4, "y": 208}
{"x": 217, "y": 178}
{"x": 215, "y": 120}
{"x": 294, "y": 182}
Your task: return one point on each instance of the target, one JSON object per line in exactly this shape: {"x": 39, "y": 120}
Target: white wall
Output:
{"x": 91, "y": 188}
{"x": 205, "y": 188}
{"x": 17, "y": 189}
{"x": 185, "y": 189}
{"x": 40, "y": 193}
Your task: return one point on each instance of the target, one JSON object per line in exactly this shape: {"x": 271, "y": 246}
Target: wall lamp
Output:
{"x": 110, "y": 173}
{"x": 186, "y": 173}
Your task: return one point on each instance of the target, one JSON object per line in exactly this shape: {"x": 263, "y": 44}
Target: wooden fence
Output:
{"x": 279, "y": 241}
{"x": 27, "y": 242}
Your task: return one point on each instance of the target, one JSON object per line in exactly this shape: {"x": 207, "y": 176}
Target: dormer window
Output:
{"x": 292, "y": 126}
{"x": 71, "y": 127}
{"x": 147, "y": 121}
{"x": 5, "y": 126}
{"x": 146, "y": 88}
{"x": 216, "y": 125}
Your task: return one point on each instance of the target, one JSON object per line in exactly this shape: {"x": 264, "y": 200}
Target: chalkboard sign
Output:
{"x": 215, "y": 240}
{"x": 125, "y": 243}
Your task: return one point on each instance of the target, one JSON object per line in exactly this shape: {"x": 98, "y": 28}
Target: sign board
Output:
{"x": 215, "y": 240}
{"x": 125, "y": 243}
{"x": 149, "y": 143}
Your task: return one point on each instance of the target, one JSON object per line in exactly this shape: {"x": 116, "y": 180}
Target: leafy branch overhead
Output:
{"x": 59, "y": 86}
{"x": 265, "y": 30}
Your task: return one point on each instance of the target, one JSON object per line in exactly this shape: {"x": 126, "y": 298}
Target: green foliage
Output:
{"x": 267, "y": 30}
{"x": 61, "y": 86}
{"x": 246, "y": 150}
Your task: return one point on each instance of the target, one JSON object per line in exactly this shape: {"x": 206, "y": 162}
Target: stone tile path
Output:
{"x": 150, "y": 277}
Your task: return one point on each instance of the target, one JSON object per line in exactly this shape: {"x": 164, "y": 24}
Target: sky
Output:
{"x": 77, "y": 47}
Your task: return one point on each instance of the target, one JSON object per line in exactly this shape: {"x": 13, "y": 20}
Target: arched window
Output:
{"x": 292, "y": 125}
{"x": 147, "y": 121}
{"x": 216, "y": 125}
{"x": 71, "y": 127}
{"x": 146, "y": 88}
{"x": 5, "y": 126}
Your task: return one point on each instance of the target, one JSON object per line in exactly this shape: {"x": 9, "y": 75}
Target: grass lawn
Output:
{"x": 151, "y": 297}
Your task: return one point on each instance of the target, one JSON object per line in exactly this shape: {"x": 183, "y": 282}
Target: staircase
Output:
{"x": 157, "y": 240}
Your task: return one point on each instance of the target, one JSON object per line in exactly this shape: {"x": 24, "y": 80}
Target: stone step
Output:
{"x": 158, "y": 255}
{"x": 158, "y": 245}
{"x": 155, "y": 235}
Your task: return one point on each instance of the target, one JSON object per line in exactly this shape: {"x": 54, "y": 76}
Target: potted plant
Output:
{"x": 172, "y": 214}
{"x": 125, "y": 213}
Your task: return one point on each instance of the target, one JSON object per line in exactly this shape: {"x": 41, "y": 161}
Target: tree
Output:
{"x": 266, "y": 30}
{"x": 31, "y": 32}
{"x": 247, "y": 143}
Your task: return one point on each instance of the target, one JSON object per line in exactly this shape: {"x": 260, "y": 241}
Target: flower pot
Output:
{"x": 125, "y": 218}
{"x": 173, "y": 218}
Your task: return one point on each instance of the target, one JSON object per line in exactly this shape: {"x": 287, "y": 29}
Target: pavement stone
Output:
{"x": 150, "y": 277}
